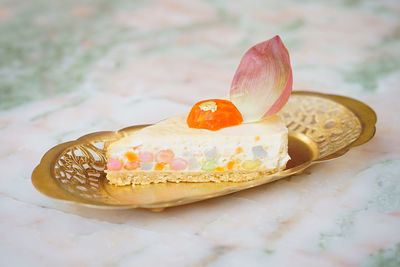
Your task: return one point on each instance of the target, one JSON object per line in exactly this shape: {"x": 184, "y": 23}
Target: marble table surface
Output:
{"x": 68, "y": 68}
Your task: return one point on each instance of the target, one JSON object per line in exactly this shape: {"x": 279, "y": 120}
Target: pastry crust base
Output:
{"x": 147, "y": 177}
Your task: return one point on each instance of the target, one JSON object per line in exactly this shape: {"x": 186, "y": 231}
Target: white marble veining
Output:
{"x": 163, "y": 57}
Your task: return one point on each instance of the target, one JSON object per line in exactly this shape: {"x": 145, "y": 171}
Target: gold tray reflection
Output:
{"x": 321, "y": 127}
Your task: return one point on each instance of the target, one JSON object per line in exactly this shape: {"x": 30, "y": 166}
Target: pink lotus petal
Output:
{"x": 263, "y": 81}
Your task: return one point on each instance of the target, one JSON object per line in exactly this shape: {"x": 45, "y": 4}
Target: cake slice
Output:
{"x": 219, "y": 140}
{"x": 171, "y": 151}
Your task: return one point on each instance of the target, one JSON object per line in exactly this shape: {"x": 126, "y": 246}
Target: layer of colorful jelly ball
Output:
{"x": 166, "y": 160}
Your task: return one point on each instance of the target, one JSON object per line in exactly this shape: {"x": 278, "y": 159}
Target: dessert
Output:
{"x": 171, "y": 151}
{"x": 219, "y": 140}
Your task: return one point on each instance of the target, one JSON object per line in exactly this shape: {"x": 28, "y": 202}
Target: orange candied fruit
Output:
{"x": 214, "y": 114}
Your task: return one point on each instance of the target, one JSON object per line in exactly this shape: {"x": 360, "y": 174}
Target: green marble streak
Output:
{"x": 385, "y": 61}
{"x": 72, "y": 103}
{"x": 388, "y": 257}
{"x": 56, "y": 52}
{"x": 351, "y": 3}
{"x": 344, "y": 227}
{"x": 45, "y": 50}
{"x": 368, "y": 73}
{"x": 385, "y": 197}
{"x": 294, "y": 25}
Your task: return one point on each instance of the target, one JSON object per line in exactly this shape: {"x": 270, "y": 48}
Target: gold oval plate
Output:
{"x": 321, "y": 127}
